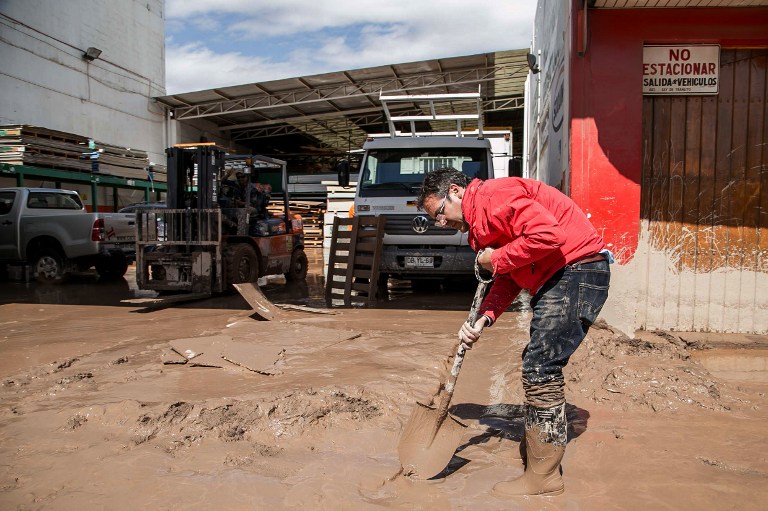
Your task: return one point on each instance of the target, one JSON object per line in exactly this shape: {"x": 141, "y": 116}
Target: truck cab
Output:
{"x": 392, "y": 170}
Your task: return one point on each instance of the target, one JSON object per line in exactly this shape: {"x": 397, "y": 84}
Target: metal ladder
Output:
{"x": 429, "y": 101}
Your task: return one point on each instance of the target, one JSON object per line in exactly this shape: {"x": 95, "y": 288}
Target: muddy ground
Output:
{"x": 307, "y": 411}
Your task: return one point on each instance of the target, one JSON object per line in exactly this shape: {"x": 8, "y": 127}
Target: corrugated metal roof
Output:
{"x": 336, "y": 110}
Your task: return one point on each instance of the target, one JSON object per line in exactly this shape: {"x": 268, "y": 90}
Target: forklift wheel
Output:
{"x": 298, "y": 269}
{"x": 242, "y": 264}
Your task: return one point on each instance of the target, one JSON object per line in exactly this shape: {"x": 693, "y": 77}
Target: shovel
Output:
{"x": 431, "y": 435}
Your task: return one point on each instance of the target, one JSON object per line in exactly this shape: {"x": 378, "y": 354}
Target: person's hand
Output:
{"x": 468, "y": 334}
{"x": 484, "y": 259}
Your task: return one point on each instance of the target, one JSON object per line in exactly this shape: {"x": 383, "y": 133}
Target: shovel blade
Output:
{"x": 420, "y": 455}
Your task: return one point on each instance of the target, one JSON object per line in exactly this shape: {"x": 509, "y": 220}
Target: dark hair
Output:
{"x": 437, "y": 183}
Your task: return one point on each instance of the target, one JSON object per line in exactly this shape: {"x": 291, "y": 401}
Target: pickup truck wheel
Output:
{"x": 299, "y": 266}
{"x": 48, "y": 266}
{"x": 112, "y": 267}
{"x": 242, "y": 264}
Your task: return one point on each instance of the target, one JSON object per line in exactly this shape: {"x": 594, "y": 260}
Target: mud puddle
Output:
{"x": 749, "y": 365}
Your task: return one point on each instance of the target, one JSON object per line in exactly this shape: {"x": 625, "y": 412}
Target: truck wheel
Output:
{"x": 425, "y": 285}
{"x": 382, "y": 290}
{"x": 299, "y": 266}
{"x": 242, "y": 264}
{"x": 112, "y": 267}
{"x": 48, "y": 266}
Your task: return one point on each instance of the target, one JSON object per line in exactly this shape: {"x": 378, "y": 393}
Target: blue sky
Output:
{"x": 231, "y": 42}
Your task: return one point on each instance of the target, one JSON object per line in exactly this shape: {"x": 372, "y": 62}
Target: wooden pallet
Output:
{"x": 353, "y": 262}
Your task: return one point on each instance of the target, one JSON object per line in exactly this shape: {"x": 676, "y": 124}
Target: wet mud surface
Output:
{"x": 92, "y": 418}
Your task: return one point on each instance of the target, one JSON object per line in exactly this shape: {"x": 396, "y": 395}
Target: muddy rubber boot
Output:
{"x": 545, "y": 438}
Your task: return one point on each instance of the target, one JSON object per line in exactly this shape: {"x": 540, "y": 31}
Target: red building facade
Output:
{"x": 677, "y": 183}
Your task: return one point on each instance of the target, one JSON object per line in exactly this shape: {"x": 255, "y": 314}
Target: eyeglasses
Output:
{"x": 441, "y": 210}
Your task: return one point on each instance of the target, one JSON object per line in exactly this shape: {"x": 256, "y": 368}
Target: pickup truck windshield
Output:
{"x": 53, "y": 200}
{"x": 401, "y": 171}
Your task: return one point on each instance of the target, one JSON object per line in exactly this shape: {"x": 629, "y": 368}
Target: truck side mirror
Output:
{"x": 343, "y": 170}
{"x": 516, "y": 167}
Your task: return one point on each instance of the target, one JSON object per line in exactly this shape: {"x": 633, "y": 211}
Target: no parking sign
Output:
{"x": 681, "y": 70}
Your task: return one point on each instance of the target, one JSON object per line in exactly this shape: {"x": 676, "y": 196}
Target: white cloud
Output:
{"x": 194, "y": 67}
{"x": 324, "y": 36}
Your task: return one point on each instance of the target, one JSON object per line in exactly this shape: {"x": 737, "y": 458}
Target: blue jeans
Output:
{"x": 563, "y": 310}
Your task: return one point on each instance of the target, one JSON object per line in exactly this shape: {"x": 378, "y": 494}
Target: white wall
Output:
{"x": 45, "y": 81}
{"x": 547, "y": 100}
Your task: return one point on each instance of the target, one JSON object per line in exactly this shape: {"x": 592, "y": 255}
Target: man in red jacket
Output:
{"x": 531, "y": 236}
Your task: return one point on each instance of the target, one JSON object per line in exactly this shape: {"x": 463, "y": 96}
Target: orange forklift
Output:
{"x": 213, "y": 233}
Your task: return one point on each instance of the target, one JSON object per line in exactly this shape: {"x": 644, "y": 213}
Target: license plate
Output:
{"x": 419, "y": 262}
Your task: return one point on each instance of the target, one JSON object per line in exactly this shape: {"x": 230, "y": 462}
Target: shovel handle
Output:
{"x": 461, "y": 350}
{"x": 445, "y": 399}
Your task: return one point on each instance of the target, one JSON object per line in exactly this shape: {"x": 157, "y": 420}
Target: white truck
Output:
{"x": 393, "y": 167}
{"x": 50, "y": 230}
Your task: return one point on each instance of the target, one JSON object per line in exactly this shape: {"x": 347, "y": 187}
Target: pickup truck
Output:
{"x": 51, "y": 231}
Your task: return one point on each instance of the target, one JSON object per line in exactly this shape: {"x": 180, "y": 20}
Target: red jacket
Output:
{"x": 535, "y": 230}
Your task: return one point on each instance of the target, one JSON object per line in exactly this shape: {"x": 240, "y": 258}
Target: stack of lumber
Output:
{"x": 41, "y": 147}
{"x": 311, "y": 215}
{"x": 24, "y": 144}
{"x": 339, "y": 203}
{"x": 128, "y": 163}
{"x": 323, "y": 200}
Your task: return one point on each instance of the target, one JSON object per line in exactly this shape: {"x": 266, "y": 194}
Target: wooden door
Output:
{"x": 704, "y": 203}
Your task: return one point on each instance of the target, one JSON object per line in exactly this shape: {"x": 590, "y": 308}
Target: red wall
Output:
{"x": 606, "y": 102}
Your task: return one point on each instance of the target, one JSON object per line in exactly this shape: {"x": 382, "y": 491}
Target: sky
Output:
{"x": 232, "y": 42}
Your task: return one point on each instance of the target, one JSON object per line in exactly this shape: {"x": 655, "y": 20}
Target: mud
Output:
{"x": 91, "y": 417}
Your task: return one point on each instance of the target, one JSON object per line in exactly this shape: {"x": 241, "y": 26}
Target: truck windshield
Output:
{"x": 401, "y": 171}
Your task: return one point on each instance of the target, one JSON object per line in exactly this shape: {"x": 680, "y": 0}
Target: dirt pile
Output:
{"x": 653, "y": 371}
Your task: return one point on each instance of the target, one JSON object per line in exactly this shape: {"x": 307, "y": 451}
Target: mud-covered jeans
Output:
{"x": 563, "y": 310}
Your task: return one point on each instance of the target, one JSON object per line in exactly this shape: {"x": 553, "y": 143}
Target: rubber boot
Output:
{"x": 545, "y": 438}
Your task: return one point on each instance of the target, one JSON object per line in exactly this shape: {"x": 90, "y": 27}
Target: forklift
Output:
{"x": 214, "y": 233}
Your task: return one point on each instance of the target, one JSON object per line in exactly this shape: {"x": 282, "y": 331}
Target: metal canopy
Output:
{"x": 333, "y": 112}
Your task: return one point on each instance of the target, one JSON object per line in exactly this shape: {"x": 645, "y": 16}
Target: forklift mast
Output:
{"x": 193, "y": 176}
